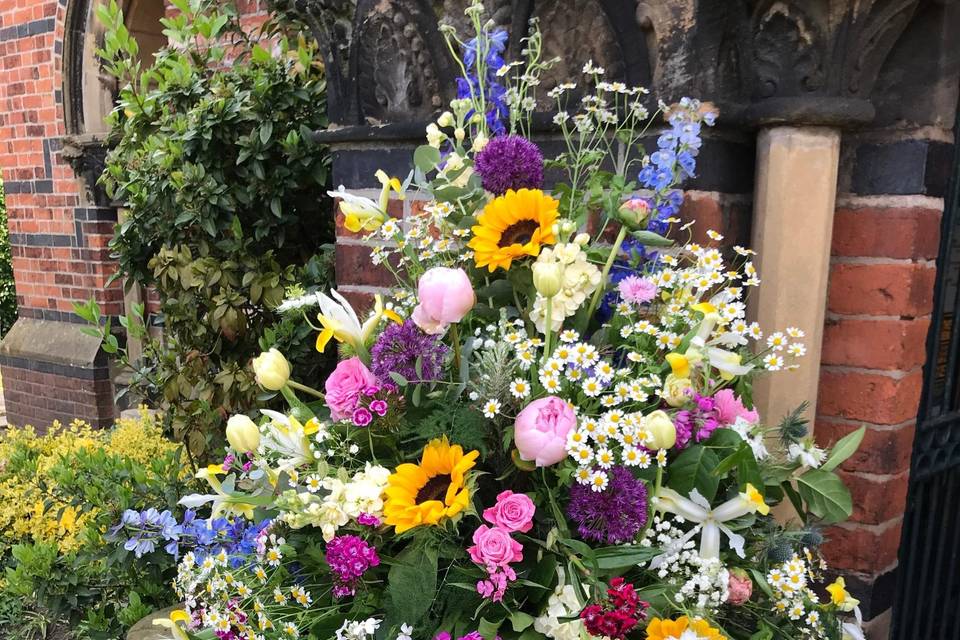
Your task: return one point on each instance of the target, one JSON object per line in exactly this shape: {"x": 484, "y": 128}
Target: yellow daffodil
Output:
{"x": 697, "y": 509}
{"x": 173, "y": 623}
{"x": 840, "y": 597}
{"x": 340, "y": 321}
{"x": 727, "y": 363}
{"x": 363, "y": 214}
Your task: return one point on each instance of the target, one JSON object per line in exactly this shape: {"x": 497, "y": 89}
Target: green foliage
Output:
{"x": 8, "y": 292}
{"x": 224, "y": 195}
{"x": 61, "y": 493}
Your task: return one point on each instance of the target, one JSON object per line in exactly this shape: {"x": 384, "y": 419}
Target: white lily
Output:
{"x": 340, "y": 321}
{"x": 285, "y": 436}
{"x": 172, "y": 623}
{"x": 710, "y": 521}
{"x": 224, "y": 502}
{"x": 701, "y": 348}
{"x": 363, "y": 214}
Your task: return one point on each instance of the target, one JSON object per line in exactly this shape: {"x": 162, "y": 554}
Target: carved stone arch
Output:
{"x": 790, "y": 48}
{"x": 917, "y": 81}
{"x": 399, "y": 62}
{"x": 89, "y": 92}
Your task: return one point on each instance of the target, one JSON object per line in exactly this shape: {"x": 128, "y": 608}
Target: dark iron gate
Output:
{"x": 927, "y": 604}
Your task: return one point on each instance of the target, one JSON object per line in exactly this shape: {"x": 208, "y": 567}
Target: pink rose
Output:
{"x": 513, "y": 512}
{"x": 729, "y": 407}
{"x": 540, "y": 431}
{"x": 445, "y": 296}
{"x": 739, "y": 587}
{"x": 493, "y": 547}
{"x": 345, "y": 385}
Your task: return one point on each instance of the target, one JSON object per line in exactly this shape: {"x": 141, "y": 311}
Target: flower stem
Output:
{"x": 614, "y": 250}
{"x": 302, "y": 387}
{"x": 547, "y": 329}
{"x": 455, "y": 338}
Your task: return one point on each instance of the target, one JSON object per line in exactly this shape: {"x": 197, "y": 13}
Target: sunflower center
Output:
{"x": 435, "y": 489}
{"x": 520, "y": 232}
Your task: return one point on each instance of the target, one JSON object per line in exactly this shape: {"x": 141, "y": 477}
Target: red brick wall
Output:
{"x": 878, "y": 311}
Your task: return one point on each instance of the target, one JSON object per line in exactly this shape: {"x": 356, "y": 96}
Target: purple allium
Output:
{"x": 362, "y": 417}
{"x": 509, "y": 162}
{"x": 698, "y": 423}
{"x": 349, "y": 558}
{"x": 398, "y": 348}
{"x": 612, "y": 516}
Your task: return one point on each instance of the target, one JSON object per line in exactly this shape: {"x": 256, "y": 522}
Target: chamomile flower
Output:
{"x": 583, "y": 455}
{"x": 491, "y": 408}
{"x": 777, "y": 341}
{"x": 662, "y": 458}
{"x": 604, "y": 458}
{"x": 583, "y": 475}
{"x": 773, "y": 362}
{"x": 794, "y": 332}
{"x": 797, "y": 350}
{"x": 599, "y": 480}
{"x": 519, "y": 388}
{"x": 314, "y": 483}
{"x": 592, "y": 387}
{"x": 274, "y": 556}
{"x": 551, "y": 384}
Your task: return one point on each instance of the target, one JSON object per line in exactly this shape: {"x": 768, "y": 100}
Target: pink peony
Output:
{"x": 729, "y": 407}
{"x": 445, "y": 296}
{"x": 493, "y": 547}
{"x": 739, "y": 587}
{"x": 513, "y": 512}
{"x": 345, "y": 385}
{"x": 637, "y": 290}
{"x": 540, "y": 431}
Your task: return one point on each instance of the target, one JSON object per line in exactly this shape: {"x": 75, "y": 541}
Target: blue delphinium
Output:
{"x": 145, "y": 530}
{"x": 491, "y": 45}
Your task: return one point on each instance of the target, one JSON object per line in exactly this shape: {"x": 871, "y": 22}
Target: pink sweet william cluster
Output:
{"x": 618, "y": 615}
{"x": 493, "y": 547}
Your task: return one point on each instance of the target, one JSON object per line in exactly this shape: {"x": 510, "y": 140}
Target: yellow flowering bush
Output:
{"x": 29, "y": 504}
{"x": 60, "y": 493}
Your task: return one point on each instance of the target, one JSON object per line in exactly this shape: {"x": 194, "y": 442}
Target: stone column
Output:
{"x": 794, "y": 201}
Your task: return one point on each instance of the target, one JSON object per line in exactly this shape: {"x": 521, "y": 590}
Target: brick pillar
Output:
{"x": 882, "y": 274}
{"x": 58, "y": 236}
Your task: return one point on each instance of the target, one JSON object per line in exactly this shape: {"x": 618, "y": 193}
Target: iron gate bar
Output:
{"x": 927, "y": 601}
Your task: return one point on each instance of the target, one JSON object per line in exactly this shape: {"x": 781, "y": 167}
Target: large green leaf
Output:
{"x": 845, "y": 447}
{"x": 826, "y": 495}
{"x": 426, "y": 158}
{"x": 412, "y": 583}
{"x": 693, "y": 469}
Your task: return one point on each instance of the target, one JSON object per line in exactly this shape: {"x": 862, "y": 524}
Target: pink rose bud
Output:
{"x": 446, "y": 296}
{"x": 739, "y": 587}
{"x": 513, "y": 512}
{"x": 493, "y": 546}
{"x": 345, "y": 385}
{"x": 541, "y": 429}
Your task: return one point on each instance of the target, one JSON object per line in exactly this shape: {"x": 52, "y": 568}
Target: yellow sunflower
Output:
{"x": 427, "y": 492}
{"x": 659, "y": 629}
{"x": 512, "y": 226}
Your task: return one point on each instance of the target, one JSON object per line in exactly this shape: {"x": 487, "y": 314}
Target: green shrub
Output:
{"x": 8, "y": 291}
{"x": 225, "y": 198}
{"x": 59, "y": 495}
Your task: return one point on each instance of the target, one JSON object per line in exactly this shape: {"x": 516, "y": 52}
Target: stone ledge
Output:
{"x": 32, "y": 341}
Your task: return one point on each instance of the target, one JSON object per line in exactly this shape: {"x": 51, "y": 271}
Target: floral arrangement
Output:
{"x": 547, "y": 430}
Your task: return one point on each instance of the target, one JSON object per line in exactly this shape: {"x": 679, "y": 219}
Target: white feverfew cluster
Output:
{"x": 794, "y": 599}
{"x": 614, "y": 438}
{"x": 701, "y": 583}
